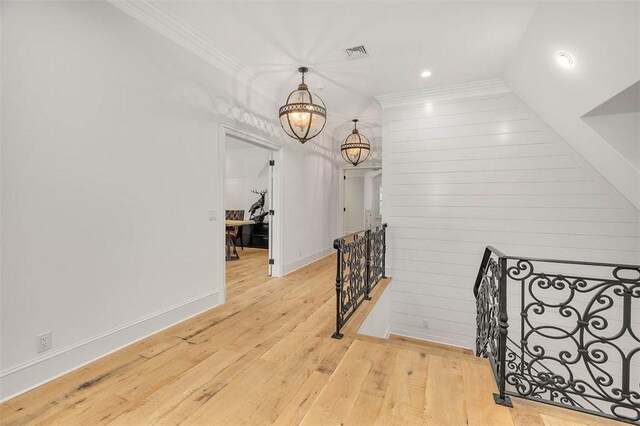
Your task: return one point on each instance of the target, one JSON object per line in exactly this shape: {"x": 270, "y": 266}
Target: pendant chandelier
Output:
{"x": 304, "y": 114}
{"x": 355, "y": 148}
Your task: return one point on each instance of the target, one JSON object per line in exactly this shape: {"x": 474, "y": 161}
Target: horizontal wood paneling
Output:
{"x": 534, "y": 137}
{"x": 463, "y": 174}
{"x": 499, "y": 188}
{"x": 490, "y": 212}
{"x": 522, "y": 249}
{"x": 417, "y": 199}
{"x": 595, "y": 241}
{"x": 508, "y": 114}
{"x": 496, "y": 127}
{"x": 540, "y": 162}
{"x": 531, "y": 175}
{"x": 487, "y": 152}
{"x": 532, "y": 226}
{"x": 453, "y": 107}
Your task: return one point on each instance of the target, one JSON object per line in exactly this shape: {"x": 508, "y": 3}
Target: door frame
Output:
{"x": 275, "y": 226}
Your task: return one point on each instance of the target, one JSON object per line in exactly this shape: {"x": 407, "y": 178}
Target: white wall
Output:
{"x": 110, "y": 137}
{"x": 621, "y": 131}
{"x": 378, "y": 322}
{"x": 604, "y": 40}
{"x": 310, "y": 203}
{"x": 106, "y": 181}
{"x": 473, "y": 170}
{"x": 246, "y": 169}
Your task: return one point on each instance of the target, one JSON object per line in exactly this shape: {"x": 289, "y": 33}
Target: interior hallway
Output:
{"x": 266, "y": 357}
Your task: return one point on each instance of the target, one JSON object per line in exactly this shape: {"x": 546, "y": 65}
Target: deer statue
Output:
{"x": 258, "y": 205}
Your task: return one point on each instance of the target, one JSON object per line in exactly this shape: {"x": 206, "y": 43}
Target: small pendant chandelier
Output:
{"x": 355, "y": 148}
{"x": 304, "y": 115}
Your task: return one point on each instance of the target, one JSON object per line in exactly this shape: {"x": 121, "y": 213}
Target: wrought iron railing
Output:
{"x": 561, "y": 332}
{"x": 360, "y": 266}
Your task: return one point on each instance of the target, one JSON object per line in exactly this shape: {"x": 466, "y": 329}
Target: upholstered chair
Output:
{"x": 235, "y": 232}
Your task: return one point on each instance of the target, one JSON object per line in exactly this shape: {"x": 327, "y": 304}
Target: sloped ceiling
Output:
{"x": 604, "y": 40}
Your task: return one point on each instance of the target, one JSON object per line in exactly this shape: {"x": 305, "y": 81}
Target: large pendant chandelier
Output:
{"x": 355, "y": 148}
{"x": 304, "y": 115}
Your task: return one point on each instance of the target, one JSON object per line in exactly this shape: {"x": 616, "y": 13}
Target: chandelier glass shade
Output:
{"x": 304, "y": 114}
{"x": 356, "y": 147}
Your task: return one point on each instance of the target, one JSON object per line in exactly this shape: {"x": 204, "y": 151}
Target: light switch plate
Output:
{"x": 213, "y": 215}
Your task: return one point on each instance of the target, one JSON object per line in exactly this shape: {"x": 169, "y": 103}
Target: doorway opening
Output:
{"x": 362, "y": 199}
{"x": 250, "y": 193}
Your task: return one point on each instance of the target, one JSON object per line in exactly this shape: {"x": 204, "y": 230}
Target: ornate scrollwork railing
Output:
{"x": 360, "y": 266}
{"x": 491, "y": 316}
{"x": 574, "y": 335}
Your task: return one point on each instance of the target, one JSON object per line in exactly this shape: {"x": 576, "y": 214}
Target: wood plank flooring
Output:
{"x": 266, "y": 357}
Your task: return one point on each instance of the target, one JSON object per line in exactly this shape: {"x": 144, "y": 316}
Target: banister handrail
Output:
{"x": 571, "y": 262}
{"x": 500, "y": 254}
{"x": 485, "y": 258}
{"x": 337, "y": 240}
{"x": 564, "y": 324}
{"x": 496, "y": 251}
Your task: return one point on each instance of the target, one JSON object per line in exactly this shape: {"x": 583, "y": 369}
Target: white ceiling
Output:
{"x": 458, "y": 41}
{"x": 604, "y": 40}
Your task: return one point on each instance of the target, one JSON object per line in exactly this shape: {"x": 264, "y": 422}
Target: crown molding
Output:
{"x": 155, "y": 18}
{"x": 158, "y": 20}
{"x": 474, "y": 89}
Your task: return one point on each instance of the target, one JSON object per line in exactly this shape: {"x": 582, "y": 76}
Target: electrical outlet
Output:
{"x": 425, "y": 323}
{"x": 44, "y": 342}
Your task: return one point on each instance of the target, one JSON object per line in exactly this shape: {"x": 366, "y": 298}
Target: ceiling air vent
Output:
{"x": 356, "y": 52}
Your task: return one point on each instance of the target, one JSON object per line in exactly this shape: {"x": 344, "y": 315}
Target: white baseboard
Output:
{"x": 387, "y": 333}
{"x": 24, "y": 377}
{"x": 304, "y": 261}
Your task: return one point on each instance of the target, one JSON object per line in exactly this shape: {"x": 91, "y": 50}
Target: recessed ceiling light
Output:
{"x": 564, "y": 59}
{"x": 425, "y": 74}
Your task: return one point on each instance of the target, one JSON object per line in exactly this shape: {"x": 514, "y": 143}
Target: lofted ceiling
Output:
{"x": 457, "y": 41}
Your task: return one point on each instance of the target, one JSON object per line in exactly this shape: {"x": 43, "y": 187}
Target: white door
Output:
{"x": 354, "y": 203}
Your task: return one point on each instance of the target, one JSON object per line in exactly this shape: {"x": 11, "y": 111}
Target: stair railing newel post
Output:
{"x": 339, "y": 274}
{"x": 479, "y": 308}
{"x": 367, "y": 264}
{"x": 503, "y": 324}
{"x": 384, "y": 250}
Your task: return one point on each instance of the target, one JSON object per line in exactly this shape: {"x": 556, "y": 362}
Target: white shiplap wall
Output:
{"x": 479, "y": 168}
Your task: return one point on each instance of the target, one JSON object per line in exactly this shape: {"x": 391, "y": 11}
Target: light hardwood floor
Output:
{"x": 250, "y": 270}
{"x": 266, "y": 357}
